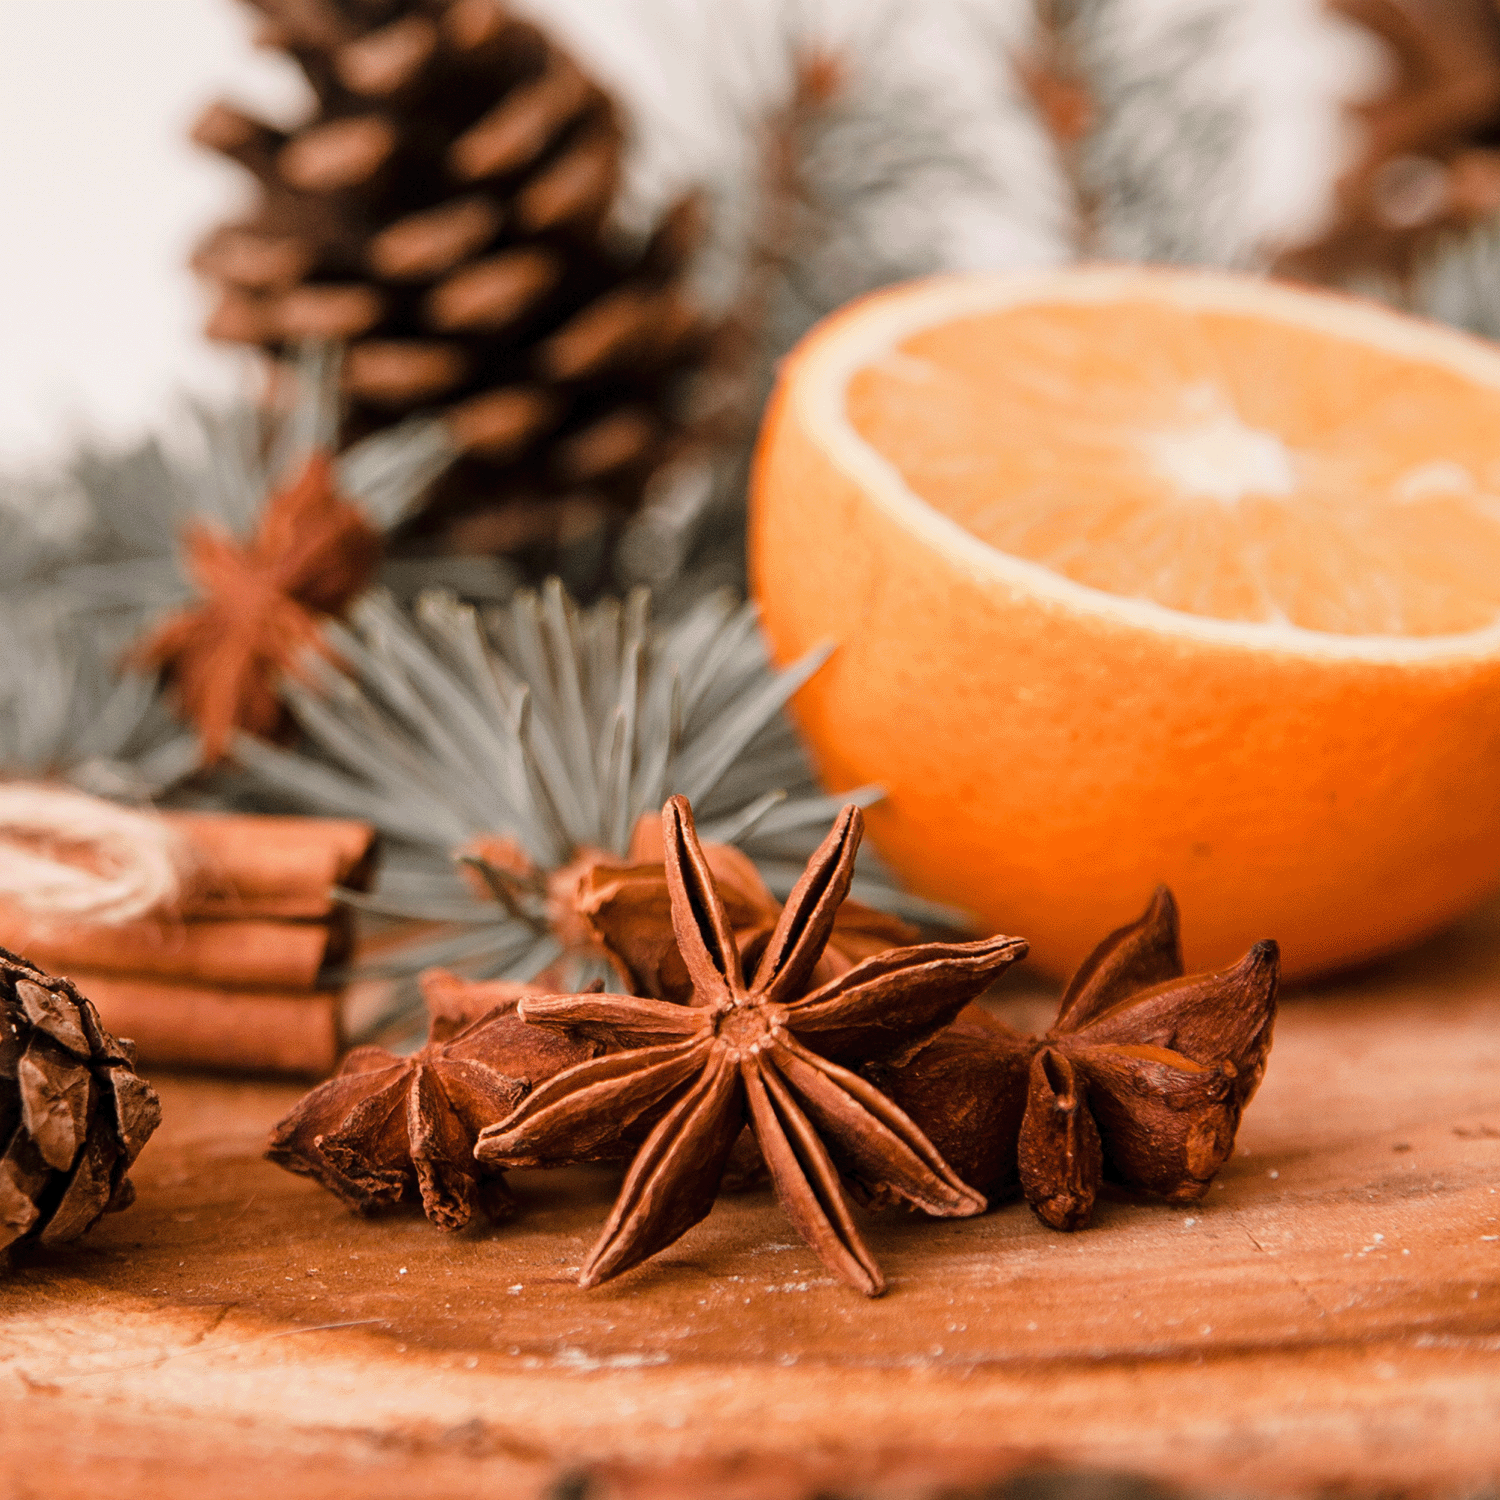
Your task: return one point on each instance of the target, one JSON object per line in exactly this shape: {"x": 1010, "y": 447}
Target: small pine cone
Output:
{"x": 73, "y": 1112}
{"x": 443, "y": 212}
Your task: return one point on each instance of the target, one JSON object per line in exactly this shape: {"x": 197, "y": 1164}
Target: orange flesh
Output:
{"x": 1224, "y": 465}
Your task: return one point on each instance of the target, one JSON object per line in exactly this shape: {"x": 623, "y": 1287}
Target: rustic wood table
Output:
{"x": 1327, "y": 1320}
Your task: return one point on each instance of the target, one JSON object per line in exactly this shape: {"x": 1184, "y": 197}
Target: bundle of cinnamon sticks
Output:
{"x": 237, "y": 976}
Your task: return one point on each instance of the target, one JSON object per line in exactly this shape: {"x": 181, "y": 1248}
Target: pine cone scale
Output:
{"x": 389, "y": 60}
{"x": 492, "y": 294}
{"x": 481, "y": 27}
{"x": 89, "y": 1192}
{"x": 517, "y": 132}
{"x": 503, "y": 423}
{"x": 430, "y": 243}
{"x": 620, "y": 439}
{"x": 55, "y": 1102}
{"x": 328, "y": 312}
{"x": 238, "y": 254}
{"x": 137, "y": 1111}
{"x": 316, "y": 24}
{"x": 49, "y": 1014}
{"x": 604, "y": 336}
{"x": 23, "y": 1175}
{"x": 251, "y": 142}
{"x": 400, "y": 372}
{"x": 576, "y": 189}
{"x": 340, "y": 154}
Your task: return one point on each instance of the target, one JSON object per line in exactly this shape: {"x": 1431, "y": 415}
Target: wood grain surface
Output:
{"x": 1328, "y": 1320}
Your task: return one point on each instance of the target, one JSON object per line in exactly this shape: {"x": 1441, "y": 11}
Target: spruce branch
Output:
{"x": 512, "y": 747}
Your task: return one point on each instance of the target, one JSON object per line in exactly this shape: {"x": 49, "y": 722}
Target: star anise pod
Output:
{"x": 625, "y": 911}
{"x": 454, "y": 1003}
{"x": 601, "y": 904}
{"x": 388, "y": 1129}
{"x": 263, "y": 603}
{"x": 1142, "y": 1078}
{"x": 625, "y": 906}
{"x": 772, "y": 1049}
{"x": 619, "y": 909}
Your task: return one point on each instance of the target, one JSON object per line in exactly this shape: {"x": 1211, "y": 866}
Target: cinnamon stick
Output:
{"x": 196, "y": 1026}
{"x": 254, "y": 866}
{"x": 251, "y": 954}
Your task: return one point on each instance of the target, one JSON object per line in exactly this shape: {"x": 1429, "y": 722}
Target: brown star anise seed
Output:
{"x": 263, "y": 603}
{"x": 454, "y": 1003}
{"x": 627, "y": 909}
{"x": 387, "y": 1129}
{"x": 967, "y": 1091}
{"x": 604, "y": 905}
{"x": 1142, "y": 1079}
{"x": 495, "y": 866}
{"x": 773, "y": 1050}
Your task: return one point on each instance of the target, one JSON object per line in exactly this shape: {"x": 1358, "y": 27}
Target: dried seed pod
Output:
{"x": 1058, "y": 1151}
{"x": 1141, "y": 1080}
{"x": 73, "y": 1112}
{"x": 387, "y": 1129}
{"x": 262, "y": 604}
{"x": 761, "y": 1042}
{"x": 967, "y": 1090}
{"x": 625, "y": 906}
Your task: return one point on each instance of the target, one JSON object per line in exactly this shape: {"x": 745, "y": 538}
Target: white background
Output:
{"x": 101, "y": 200}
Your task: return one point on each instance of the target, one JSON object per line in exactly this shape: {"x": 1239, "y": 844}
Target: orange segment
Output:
{"x": 1141, "y": 576}
{"x": 1241, "y": 467}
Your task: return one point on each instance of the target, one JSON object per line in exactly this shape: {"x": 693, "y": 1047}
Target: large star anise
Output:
{"x": 772, "y": 1049}
{"x": 263, "y": 603}
{"x": 626, "y": 908}
{"x": 387, "y": 1129}
{"x": 1142, "y": 1078}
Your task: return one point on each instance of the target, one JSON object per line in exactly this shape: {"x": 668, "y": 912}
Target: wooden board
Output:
{"x": 1329, "y": 1319}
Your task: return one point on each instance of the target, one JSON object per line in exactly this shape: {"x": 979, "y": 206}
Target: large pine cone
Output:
{"x": 73, "y": 1113}
{"x": 444, "y": 211}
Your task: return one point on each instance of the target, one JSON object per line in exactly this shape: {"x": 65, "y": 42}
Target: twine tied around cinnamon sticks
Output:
{"x": 230, "y": 963}
{"x": 67, "y": 854}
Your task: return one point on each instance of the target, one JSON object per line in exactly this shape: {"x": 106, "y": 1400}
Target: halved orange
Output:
{"x": 1147, "y": 575}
